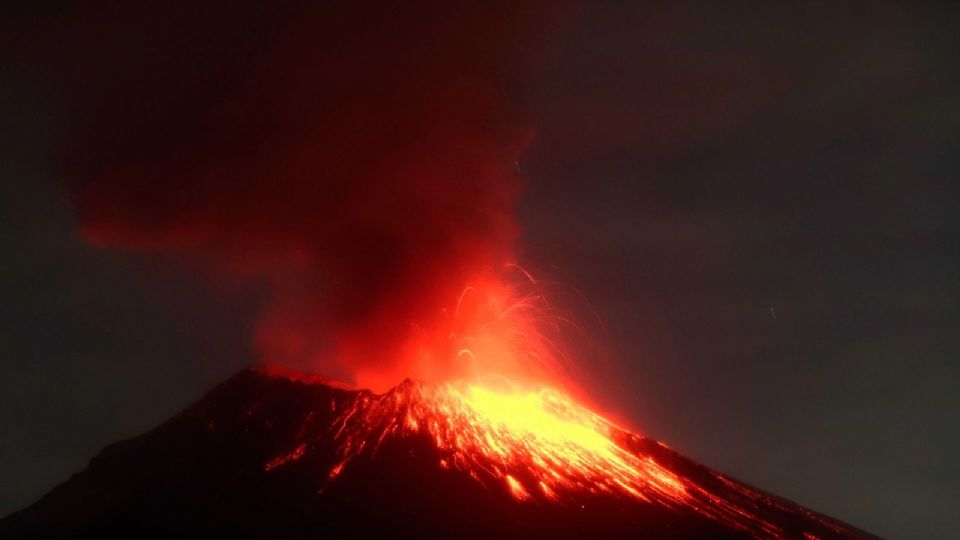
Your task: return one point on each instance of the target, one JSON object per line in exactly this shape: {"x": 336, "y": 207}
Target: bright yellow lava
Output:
{"x": 540, "y": 444}
{"x": 536, "y": 446}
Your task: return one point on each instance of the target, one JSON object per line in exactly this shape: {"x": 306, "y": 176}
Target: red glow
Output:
{"x": 296, "y": 454}
{"x": 492, "y": 394}
{"x": 356, "y": 172}
{"x": 491, "y": 391}
{"x": 537, "y": 444}
{"x": 493, "y": 333}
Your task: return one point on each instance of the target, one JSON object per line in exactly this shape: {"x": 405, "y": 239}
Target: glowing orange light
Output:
{"x": 492, "y": 396}
{"x": 495, "y": 332}
{"x": 540, "y": 444}
{"x": 296, "y": 454}
{"x": 488, "y": 373}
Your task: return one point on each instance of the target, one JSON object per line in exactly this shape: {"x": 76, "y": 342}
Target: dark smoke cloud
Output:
{"x": 360, "y": 161}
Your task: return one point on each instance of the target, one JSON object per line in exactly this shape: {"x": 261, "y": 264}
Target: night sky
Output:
{"x": 760, "y": 201}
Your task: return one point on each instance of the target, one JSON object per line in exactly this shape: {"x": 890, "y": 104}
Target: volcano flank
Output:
{"x": 267, "y": 456}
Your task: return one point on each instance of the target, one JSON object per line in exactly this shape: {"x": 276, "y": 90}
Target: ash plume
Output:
{"x": 358, "y": 161}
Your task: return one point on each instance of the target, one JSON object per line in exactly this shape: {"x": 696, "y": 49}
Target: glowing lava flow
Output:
{"x": 499, "y": 419}
{"x": 539, "y": 444}
{"x": 534, "y": 440}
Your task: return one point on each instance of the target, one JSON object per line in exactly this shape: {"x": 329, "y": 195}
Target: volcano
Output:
{"x": 265, "y": 455}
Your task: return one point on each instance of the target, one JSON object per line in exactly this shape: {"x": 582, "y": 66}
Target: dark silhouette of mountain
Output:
{"x": 264, "y": 456}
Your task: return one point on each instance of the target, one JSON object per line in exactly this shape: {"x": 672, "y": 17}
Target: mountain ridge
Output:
{"x": 262, "y": 455}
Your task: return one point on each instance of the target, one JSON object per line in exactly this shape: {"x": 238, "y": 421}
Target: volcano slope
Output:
{"x": 267, "y": 456}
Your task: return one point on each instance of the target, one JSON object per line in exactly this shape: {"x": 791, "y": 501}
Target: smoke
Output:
{"x": 361, "y": 161}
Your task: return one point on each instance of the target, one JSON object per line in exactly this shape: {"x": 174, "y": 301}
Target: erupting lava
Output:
{"x": 495, "y": 333}
{"x": 359, "y": 165}
{"x": 540, "y": 444}
{"x": 537, "y": 447}
{"x": 487, "y": 390}
{"x": 268, "y": 456}
{"x": 488, "y": 393}
{"x": 490, "y": 403}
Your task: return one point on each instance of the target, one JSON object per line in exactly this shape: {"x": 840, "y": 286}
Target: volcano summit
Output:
{"x": 266, "y": 456}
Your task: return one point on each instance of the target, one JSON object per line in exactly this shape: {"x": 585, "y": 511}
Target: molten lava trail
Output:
{"x": 539, "y": 443}
{"x": 539, "y": 446}
{"x": 489, "y": 404}
{"x": 264, "y": 455}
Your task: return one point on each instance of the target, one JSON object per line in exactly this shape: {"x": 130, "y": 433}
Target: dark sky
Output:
{"x": 760, "y": 200}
